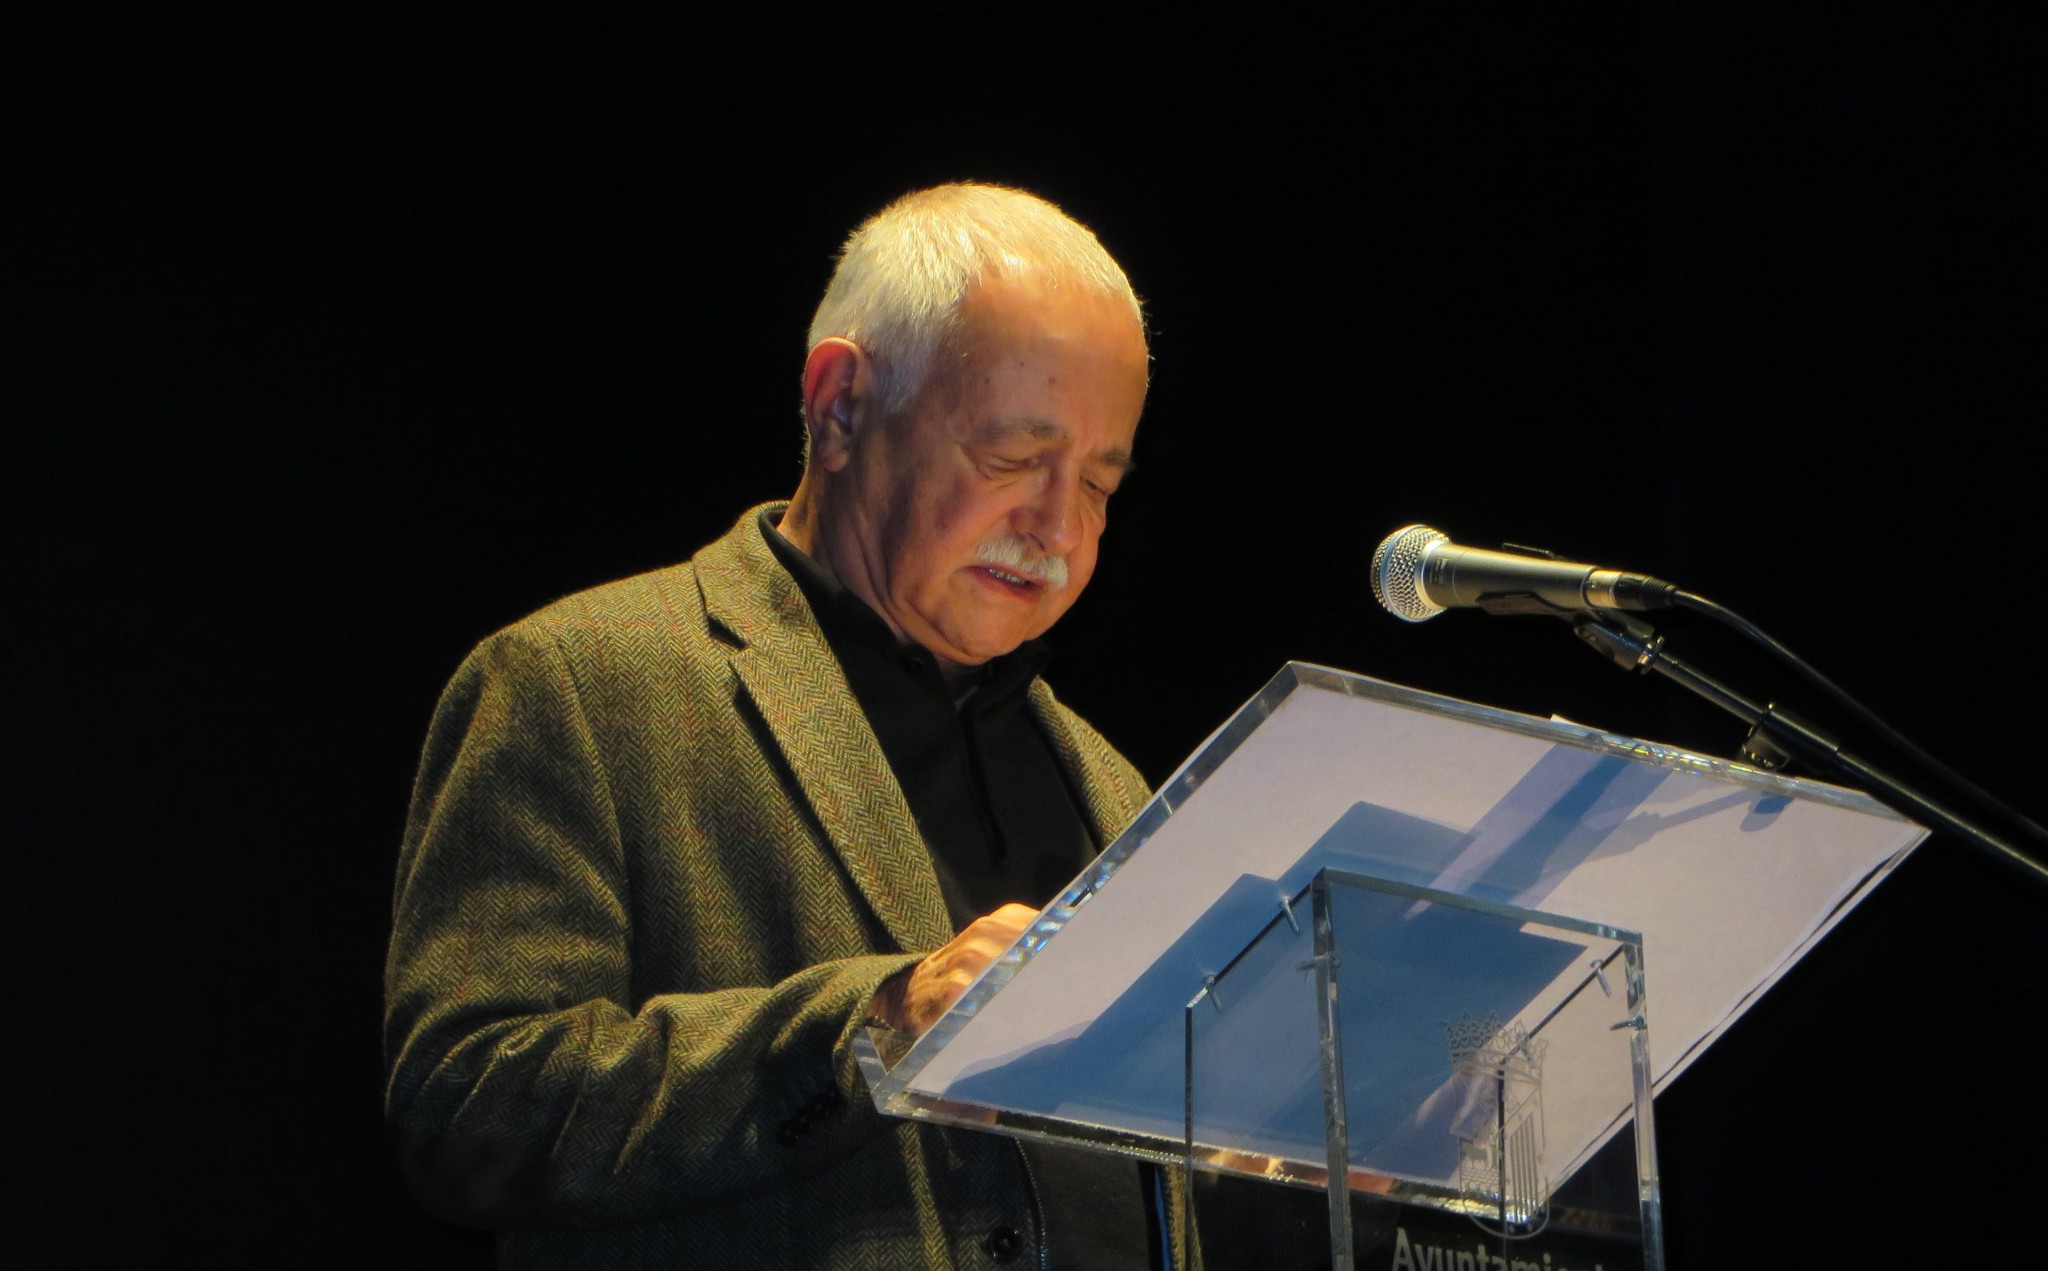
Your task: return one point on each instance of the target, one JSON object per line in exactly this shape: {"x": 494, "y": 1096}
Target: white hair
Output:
{"x": 902, "y": 275}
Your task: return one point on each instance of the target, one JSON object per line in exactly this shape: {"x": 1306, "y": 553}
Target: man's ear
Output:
{"x": 838, "y": 383}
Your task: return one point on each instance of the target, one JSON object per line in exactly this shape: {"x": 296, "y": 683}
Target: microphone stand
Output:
{"x": 1776, "y": 736}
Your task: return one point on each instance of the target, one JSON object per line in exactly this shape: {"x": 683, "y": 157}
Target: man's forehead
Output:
{"x": 1003, "y": 307}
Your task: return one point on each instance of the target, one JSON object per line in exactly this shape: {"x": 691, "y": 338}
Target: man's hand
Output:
{"x": 912, "y": 1001}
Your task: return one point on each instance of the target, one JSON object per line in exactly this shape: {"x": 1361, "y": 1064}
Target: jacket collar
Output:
{"x": 1091, "y": 766}
{"x": 788, "y": 672}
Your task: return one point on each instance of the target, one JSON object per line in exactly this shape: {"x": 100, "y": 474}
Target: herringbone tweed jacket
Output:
{"x": 655, "y": 866}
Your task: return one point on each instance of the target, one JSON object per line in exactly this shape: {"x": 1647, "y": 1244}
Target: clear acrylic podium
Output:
{"x": 1399, "y": 947}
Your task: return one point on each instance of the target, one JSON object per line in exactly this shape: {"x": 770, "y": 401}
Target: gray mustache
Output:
{"x": 1012, "y": 554}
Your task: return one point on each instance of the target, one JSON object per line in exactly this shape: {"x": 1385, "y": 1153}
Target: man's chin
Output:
{"x": 980, "y": 648}
{"x": 980, "y": 633}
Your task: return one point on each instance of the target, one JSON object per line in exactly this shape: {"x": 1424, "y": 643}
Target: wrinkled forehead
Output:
{"x": 1078, "y": 335}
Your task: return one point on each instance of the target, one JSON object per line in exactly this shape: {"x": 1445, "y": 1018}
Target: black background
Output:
{"x": 342, "y": 342}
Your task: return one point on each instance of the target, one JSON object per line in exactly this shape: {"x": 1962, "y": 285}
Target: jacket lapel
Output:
{"x": 1112, "y": 797}
{"x": 788, "y": 671}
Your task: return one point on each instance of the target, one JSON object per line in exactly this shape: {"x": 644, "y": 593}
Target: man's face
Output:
{"x": 957, "y": 512}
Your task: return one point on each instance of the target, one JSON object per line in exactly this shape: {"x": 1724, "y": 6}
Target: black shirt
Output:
{"x": 1003, "y": 824}
{"x": 982, "y": 782}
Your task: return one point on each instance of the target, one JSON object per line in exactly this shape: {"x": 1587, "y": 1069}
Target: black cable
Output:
{"x": 1897, "y": 740}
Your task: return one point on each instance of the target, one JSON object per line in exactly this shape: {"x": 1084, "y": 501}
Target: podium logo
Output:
{"x": 1417, "y": 1256}
{"x": 1497, "y": 1118}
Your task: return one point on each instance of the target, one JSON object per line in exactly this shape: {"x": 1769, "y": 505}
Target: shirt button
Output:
{"x": 914, "y": 665}
{"x": 1003, "y": 1243}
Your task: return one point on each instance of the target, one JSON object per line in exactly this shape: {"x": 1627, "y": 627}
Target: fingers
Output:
{"x": 938, "y": 981}
{"x": 1009, "y": 921}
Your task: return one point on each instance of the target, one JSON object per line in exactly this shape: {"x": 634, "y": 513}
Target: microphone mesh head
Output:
{"x": 1396, "y": 567}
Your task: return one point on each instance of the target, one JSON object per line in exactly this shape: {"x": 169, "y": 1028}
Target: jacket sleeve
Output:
{"x": 525, "y": 1087}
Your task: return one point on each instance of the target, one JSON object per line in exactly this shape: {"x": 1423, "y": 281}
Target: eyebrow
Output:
{"x": 1039, "y": 428}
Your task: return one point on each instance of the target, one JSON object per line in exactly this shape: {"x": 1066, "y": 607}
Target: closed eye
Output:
{"x": 1106, "y": 479}
{"x": 1008, "y": 463}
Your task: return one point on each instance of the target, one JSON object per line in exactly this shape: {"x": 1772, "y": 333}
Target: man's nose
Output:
{"x": 1052, "y": 517}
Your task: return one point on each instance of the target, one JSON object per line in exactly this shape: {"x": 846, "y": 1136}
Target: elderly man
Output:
{"x": 675, "y": 839}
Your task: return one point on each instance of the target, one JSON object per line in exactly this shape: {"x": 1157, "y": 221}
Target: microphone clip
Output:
{"x": 1628, "y": 642}
{"x": 1522, "y": 602}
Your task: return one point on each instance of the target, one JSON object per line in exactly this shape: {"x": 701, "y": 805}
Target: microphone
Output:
{"x": 1417, "y": 573}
